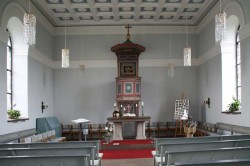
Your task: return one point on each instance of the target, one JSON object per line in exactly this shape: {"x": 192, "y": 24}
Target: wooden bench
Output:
{"x": 198, "y": 146}
{"x": 51, "y": 151}
{"x": 232, "y": 162}
{"x": 224, "y": 128}
{"x": 206, "y": 155}
{"x": 72, "y": 144}
{"x": 158, "y": 141}
{"x": 48, "y": 160}
{"x": 206, "y": 129}
{"x": 17, "y": 135}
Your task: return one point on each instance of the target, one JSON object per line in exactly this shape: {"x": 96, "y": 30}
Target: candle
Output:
{"x": 142, "y": 103}
{"x": 114, "y": 104}
{"x": 121, "y": 105}
{"x": 135, "y": 105}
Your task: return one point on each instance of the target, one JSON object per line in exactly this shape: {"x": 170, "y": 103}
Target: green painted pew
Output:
{"x": 49, "y": 160}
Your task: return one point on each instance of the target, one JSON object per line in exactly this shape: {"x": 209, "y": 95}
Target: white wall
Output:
{"x": 210, "y": 73}
{"x": 40, "y": 77}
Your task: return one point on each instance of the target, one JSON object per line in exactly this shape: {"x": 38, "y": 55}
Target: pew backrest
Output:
{"x": 56, "y": 160}
{"x": 49, "y": 151}
{"x": 207, "y": 155}
{"x": 201, "y": 146}
{"x": 234, "y": 162}
{"x": 55, "y": 144}
{"x": 158, "y": 141}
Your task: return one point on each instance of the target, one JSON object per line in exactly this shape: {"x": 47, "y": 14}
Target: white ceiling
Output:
{"x": 117, "y": 12}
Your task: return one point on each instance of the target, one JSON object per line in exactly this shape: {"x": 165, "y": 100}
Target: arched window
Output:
{"x": 238, "y": 66}
{"x": 9, "y": 75}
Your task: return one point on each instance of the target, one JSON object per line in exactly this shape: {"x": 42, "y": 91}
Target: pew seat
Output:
{"x": 207, "y": 155}
{"x": 231, "y": 162}
{"x": 198, "y": 146}
{"x": 48, "y": 160}
{"x": 52, "y": 151}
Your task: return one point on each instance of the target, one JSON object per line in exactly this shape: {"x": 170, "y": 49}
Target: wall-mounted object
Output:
{"x": 207, "y": 102}
{"x": 43, "y": 106}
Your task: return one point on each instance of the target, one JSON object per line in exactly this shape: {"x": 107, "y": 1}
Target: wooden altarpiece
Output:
{"x": 128, "y": 82}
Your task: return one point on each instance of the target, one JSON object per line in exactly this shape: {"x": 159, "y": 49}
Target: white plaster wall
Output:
{"x": 210, "y": 74}
{"x": 90, "y": 93}
{"x": 40, "y": 77}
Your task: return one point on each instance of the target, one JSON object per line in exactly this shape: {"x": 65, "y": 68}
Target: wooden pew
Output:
{"x": 48, "y": 160}
{"x": 206, "y": 155}
{"x": 198, "y": 146}
{"x": 234, "y": 162}
{"x": 158, "y": 141}
{"x": 51, "y": 151}
{"x": 55, "y": 144}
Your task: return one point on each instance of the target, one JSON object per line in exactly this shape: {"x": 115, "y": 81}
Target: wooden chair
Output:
{"x": 102, "y": 130}
{"x": 162, "y": 128}
{"x": 171, "y": 129}
{"x": 75, "y": 132}
{"x": 153, "y": 129}
{"x": 67, "y": 131}
{"x": 94, "y": 130}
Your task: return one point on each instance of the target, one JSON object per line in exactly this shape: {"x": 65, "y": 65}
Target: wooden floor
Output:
{"x": 129, "y": 162}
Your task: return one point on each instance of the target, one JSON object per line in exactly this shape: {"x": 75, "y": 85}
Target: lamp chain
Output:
{"x": 65, "y": 38}
{"x": 29, "y": 6}
{"x": 186, "y": 33}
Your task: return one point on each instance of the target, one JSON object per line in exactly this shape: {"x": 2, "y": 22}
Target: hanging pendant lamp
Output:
{"x": 220, "y": 26}
{"x": 65, "y": 51}
{"x": 29, "y": 22}
{"x": 170, "y": 65}
{"x": 187, "y": 50}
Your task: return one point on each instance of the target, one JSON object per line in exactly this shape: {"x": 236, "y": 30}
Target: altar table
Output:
{"x": 140, "y": 126}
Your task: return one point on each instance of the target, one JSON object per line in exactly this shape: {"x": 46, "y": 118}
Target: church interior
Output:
{"x": 121, "y": 70}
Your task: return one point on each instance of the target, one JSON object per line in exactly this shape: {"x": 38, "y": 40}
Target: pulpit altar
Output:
{"x": 138, "y": 120}
{"x": 130, "y": 121}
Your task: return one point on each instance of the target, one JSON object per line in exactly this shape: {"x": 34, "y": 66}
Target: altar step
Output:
{"x": 127, "y": 144}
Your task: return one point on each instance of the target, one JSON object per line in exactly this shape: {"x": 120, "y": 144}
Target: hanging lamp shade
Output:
{"x": 187, "y": 56}
{"x": 65, "y": 50}
{"x": 220, "y": 25}
{"x": 65, "y": 58}
{"x": 187, "y": 50}
{"x": 29, "y": 22}
{"x": 170, "y": 65}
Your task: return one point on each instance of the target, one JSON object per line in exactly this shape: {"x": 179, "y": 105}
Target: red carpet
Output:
{"x": 117, "y": 153}
{"x": 126, "y": 154}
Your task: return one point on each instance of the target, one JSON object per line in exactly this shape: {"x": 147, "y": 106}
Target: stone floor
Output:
{"x": 129, "y": 162}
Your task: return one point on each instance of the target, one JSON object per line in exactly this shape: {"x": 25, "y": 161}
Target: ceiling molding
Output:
{"x": 97, "y": 30}
{"x": 135, "y": 12}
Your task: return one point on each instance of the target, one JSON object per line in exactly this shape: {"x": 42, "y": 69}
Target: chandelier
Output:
{"x": 220, "y": 26}
{"x": 170, "y": 65}
{"x": 187, "y": 50}
{"x": 65, "y": 51}
{"x": 29, "y": 22}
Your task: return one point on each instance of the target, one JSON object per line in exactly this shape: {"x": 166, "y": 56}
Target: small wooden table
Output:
{"x": 140, "y": 126}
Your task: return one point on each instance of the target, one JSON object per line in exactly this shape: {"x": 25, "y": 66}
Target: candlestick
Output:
{"x": 142, "y": 104}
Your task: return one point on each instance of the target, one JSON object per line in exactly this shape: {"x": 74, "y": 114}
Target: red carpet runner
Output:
{"x": 127, "y": 153}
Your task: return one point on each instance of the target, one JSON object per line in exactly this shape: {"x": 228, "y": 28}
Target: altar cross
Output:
{"x": 128, "y": 35}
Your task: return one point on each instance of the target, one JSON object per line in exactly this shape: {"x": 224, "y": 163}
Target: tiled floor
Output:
{"x": 129, "y": 162}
